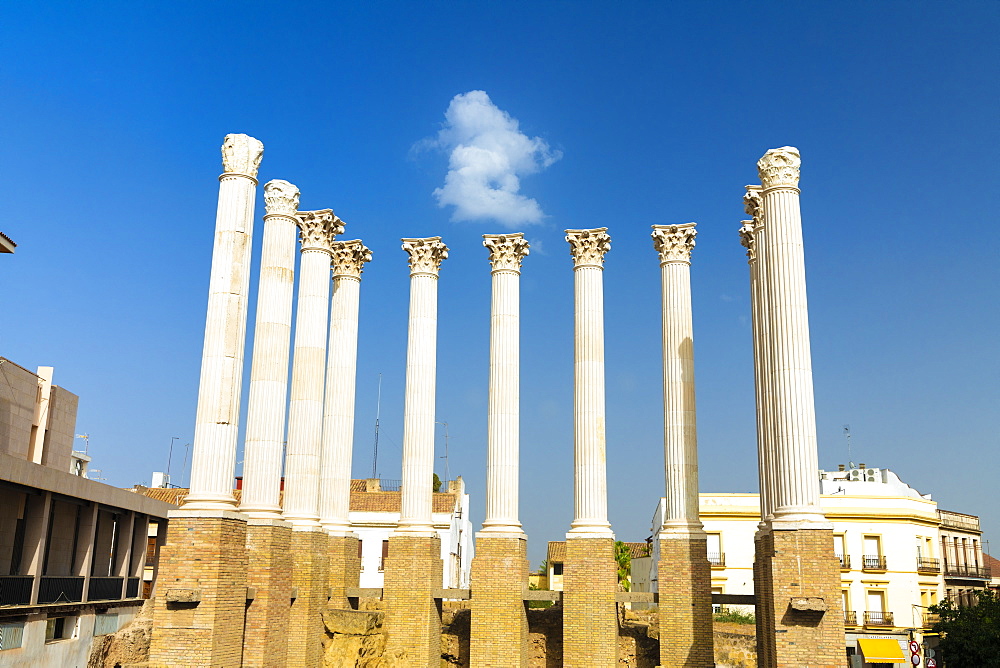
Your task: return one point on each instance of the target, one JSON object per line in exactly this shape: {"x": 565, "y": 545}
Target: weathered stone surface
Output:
{"x": 128, "y": 645}
{"x": 353, "y": 622}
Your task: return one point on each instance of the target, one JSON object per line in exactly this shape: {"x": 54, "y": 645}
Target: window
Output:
{"x": 105, "y": 623}
{"x": 715, "y": 555}
{"x": 360, "y": 544}
{"x": 872, "y": 557}
{"x": 557, "y": 568}
{"x": 840, "y": 549}
{"x": 385, "y": 553}
{"x": 716, "y": 607}
{"x": 11, "y": 634}
{"x": 60, "y": 628}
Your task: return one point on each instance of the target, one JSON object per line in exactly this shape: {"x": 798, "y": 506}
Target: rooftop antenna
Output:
{"x": 170, "y": 454}
{"x": 447, "y": 473}
{"x": 378, "y": 410}
{"x": 847, "y": 433}
{"x": 86, "y": 442}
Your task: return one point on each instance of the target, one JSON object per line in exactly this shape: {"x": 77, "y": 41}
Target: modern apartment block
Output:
{"x": 72, "y": 550}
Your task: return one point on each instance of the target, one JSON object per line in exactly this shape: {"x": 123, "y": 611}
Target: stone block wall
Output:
{"x": 265, "y": 639}
{"x": 499, "y": 630}
{"x": 310, "y": 584}
{"x": 590, "y": 618}
{"x": 413, "y": 571}
{"x": 685, "y": 584}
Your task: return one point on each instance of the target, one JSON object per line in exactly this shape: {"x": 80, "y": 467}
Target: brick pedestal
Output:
{"x": 310, "y": 583}
{"x": 685, "y": 588}
{"x": 590, "y": 614}
{"x": 269, "y": 574}
{"x": 205, "y": 562}
{"x": 413, "y": 570}
{"x": 499, "y": 636}
{"x": 344, "y": 569}
{"x": 798, "y": 564}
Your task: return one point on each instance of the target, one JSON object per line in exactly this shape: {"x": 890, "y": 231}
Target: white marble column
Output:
{"x": 213, "y": 460}
{"x": 680, "y": 431}
{"x": 795, "y": 465}
{"x": 265, "y": 433}
{"x": 751, "y": 237}
{"x": 349, "y": 258}
{"x": 317, "y": 230}
{"x": 503, "y": 421}
{"x": 590, "y": 485}
{"x": 421, "y": 370}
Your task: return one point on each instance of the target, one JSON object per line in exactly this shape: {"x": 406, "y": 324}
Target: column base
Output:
{"x": 345, "y": 568}
{"x": 200, "y": 602}
{"x": 310, "y": 583}
{"x": 413, "y": 570}
{"x": 685, "y": 588}
{"x": 499, "y": 633}
{"x": 590, "y": 613}
{"x": 269, "y": 574}
{"x": 796, "y": 572}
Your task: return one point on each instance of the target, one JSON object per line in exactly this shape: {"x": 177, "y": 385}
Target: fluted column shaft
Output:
{"x": 213, "y": 459}
{"x": 590, "y": 490}
{"x": 503, "y": 421}
{"x": 341, "y": 372}
{"x": 795, "y": 462}
{"x": 305, "y": 412}
{"x": 421, "y": 372}
{"x": 265, "y": 433}
{"x": 680, "y": 437}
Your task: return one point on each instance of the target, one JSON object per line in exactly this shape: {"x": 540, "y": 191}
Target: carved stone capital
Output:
{"x": 425, "y": 254}
{"x": 588, "y": 246}
{"x": 674, "y": 242}
{"x": 506, "y": 250}
{"x": 748, "y": 239}
{"x": 318, "y": 229}
{"x": 281, "y": 197}
{"x": 241, "y": 154}
{"x": 780, "y": 167}
{"x": 753, "y": 204}
{"x": 349, "y": 258}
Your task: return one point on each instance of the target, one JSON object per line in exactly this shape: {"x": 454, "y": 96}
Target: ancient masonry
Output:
{"x": 251, "y": 584}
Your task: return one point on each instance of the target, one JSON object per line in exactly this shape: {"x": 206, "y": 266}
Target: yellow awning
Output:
{"x": 881, "y": 650}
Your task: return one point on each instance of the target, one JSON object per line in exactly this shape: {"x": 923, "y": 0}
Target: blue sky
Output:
{"x": 113, "y": 114}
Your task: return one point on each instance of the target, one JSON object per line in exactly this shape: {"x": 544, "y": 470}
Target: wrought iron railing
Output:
{"x": 958, "y": 520}
{"x": 850, "y": 618}
{"x": 845, "y": 561}
{"x": 877, "y": 618}
{"x": 132, "y": 588}
{"x": 717, "y": 559}
{"x": 927, "y": 620}
{"x": 873, "y": 562}
{"x": 104, "y": 589}
{"x": 967, "y": 571}
{"x": 16, "y": 589}
{"x": 60, "y": 589}
{"x": 926, "y": 565}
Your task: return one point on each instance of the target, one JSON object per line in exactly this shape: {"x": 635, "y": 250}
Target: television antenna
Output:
{"x": 847, "y": 433}
{"x": 378, "y": 410}
{"x": 447, "y": 473}
{"x": 86, "y": 442}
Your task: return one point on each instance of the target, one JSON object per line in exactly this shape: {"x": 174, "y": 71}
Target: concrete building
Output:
{"x": 899, "y": 553}
{"x": 72, "y": 550}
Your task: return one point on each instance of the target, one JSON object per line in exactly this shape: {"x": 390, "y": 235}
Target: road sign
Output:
{"x": 931, "y": 663}
{"x": 914, "y": 647}
{"x": 915, "y": 659}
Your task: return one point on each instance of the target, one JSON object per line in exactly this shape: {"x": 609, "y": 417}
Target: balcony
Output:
{"x": 925, "y": 565}
{"x": 873, "y": 618}
{"x": 104, "y": 589}
{"x": 850, "y": 618}
{"x": 927, "y": 620}
{"x": 717, "y": 559}
{"x": 967, "y": 571}
{"x": 845, "y": 561}
{"x": 958, "y": 520}
{"x": 60, "y": 589}
{"x": 16, "y": 589}
{"x": 132, "y": 588}
{"x": 872, "y": 562}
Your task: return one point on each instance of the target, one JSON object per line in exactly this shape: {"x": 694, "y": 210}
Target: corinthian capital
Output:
{"x": 281, "y": 197}
{"x": 748, "y": 239}
{"x": 241, "y": 154}
{"x": 780, "y": 167}
{"x": 349, "y": 258}
{"x": 318, "y": 229}
{"x": 753, "y": 204}
{"x": 506, "y": 250}
{"x": 425, "y": 254}
{"x": 674, "y": 242}
{"x": 588, "y": 246}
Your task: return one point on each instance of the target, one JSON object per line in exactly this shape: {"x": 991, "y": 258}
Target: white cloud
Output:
{"x": 488, "y": 154}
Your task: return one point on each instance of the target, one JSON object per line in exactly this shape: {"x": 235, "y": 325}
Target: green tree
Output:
{"x": 970, "y": 635}
{"x": 543, "y": 567}
{"x": 623, "y": 555}
{"x": 437, "y": 483}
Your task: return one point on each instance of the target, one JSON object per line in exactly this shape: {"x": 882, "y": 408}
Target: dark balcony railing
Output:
{"x": 16, "y": 589}
{"x": 104, "y": 589}
{"x": 717, "y": 559}
{"x": 60, "y": 589}
{"x": 928, "y": 620}
{"x": 925, "y": 565}
{"x": 967, "y": 571}
{"x": 873, "y": 562}
{"x": 850, "y": 618}
{"x": 845, "y": 561}
{"x": 878, "y": 618}
{"x": 132, "y": 588}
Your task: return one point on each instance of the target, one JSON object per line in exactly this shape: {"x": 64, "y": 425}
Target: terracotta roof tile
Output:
{"x": 557, "y": 551}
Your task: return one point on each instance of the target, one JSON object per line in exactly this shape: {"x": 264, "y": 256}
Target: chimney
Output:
{"x": 840, "y": 467}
